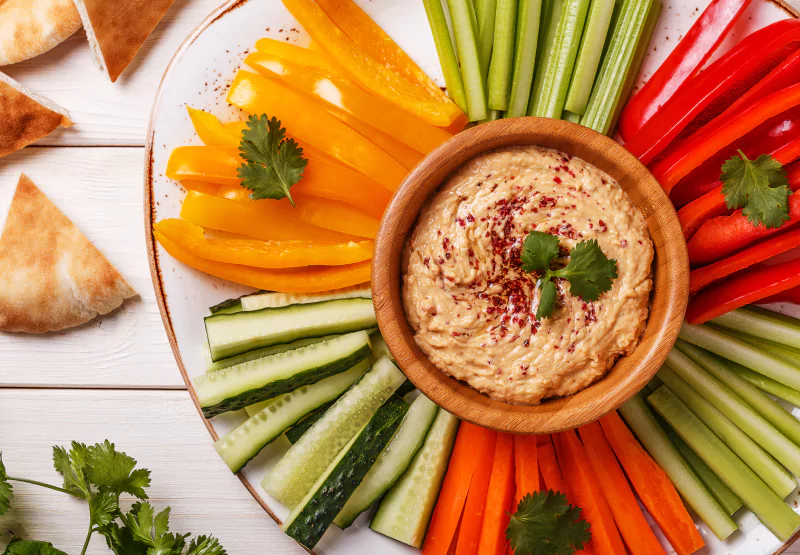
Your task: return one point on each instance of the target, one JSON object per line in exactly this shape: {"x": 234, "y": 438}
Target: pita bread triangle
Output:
{"x": 51, "y": 276}
{"x": 31, "y": 27}
{"x": 116, "y": 29}
{"x": 25, "y": 117}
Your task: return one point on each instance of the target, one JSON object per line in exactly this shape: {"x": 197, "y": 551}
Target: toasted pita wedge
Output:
{"x": 51, "y": 276}
{"x": 31, "y": 27}
{"x": 25, "y": 117}
{"x": 116, "y": 29}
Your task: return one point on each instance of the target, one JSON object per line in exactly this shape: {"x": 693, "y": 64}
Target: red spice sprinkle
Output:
{"x": 557, "y": 180}
{"x": 623, "y": 243}
{"x": 426, "y": 261}
{"x": 603, "y": 226}
{"x": 470, "y": 218}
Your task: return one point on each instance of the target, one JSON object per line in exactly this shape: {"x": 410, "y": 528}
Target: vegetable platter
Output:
{"x": 199, "y": 77}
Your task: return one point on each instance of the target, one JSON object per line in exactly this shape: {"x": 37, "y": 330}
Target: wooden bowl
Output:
{"x": 629, "y": 374}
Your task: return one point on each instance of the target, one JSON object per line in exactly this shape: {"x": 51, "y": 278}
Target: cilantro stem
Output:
{"x": 86, "y": 543}
{"x": 42, "y": 484}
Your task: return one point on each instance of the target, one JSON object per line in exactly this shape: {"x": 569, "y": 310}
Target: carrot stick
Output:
{"x": 450, "y": 506}
{"x": 499, "y": 499}
{"x": 586, "y": 491}
{"x": 637, "y": 534}
{"x": 543, "y": 439}
{"x": 654, "y": 488}
{"x": 472, "y": 518}
{"x": 527, "y": 468}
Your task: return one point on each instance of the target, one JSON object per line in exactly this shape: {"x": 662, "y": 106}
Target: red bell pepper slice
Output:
{"x": 724, "y": 235}
{"x": 683, "y": 63}
{"x": 748, "y": 287}
{"x": 713, "y": 204}
{"x": 788, "y": 296}
{"x": 716, "y": 87}
{"x": 718, "y": 134}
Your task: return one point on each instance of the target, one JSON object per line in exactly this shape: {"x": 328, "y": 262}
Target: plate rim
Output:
{"x": 152, "y": 251}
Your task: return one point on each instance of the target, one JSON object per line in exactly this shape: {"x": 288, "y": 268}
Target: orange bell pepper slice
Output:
{"x": 310, "y": 123}
{"x": 375, "y": 74}
{"x": 234, "y": 217}
{"x": 210, "y": 129}
{"x": 262, "y": 254}
{"x": 293, "y": 280}
{"x": 200, "y": 186}
{"x": 212, "y": 164}
{"x": 375, "y": 111}
{"x": 312, "y": 58}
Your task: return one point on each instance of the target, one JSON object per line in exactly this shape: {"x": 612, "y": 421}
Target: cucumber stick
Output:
{"x": 230, "y": 306}
{"x": 233, "y": 334}
{"x": 245, "y": 441}
{"x": 270, "y": 299}
{"x": 767, "y": 506}
{"x": 462, "y": 14}
{"x": 526, "y": 43}
{"x": 295, "y": 473}
{"x": 406, "y": 509}
{"x": 328, "y": 495}
{"x": 393, "y": 461}
{"x": 647, "y": 429}
{"x": 258, "y": 380}
{"x": 552, "y": 11}
{"x": 502, "y": 61}
{"x": 562, "y": 61}
{"x": 260, "y": 353}
{"x": 446, "y": 51}
{"x": 591, "y": 49}
{"x": 296, "y": 432}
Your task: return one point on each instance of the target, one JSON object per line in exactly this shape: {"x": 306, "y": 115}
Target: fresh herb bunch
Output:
{"x": 273, "y": 163}
{"x": 546, "y": 524}
{"x": 759, "y": 187}
{"x": 589, "y": 271}
{"x": 100, "y": 474}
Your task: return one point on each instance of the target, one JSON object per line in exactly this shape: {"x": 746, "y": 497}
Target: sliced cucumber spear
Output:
{"x": 526, "y": 43}
{"x": 591, "y": 49}
{"x": 270, "y": 299}
{"x": 305, "y": 461}
{"x": 251, "y": 382}
{"x": 316, "y": 511}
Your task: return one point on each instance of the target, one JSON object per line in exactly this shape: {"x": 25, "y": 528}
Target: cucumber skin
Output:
{"x": 273, "y": 389}
{"x": 294, "y": 433}
{"x": 323, "y": 506}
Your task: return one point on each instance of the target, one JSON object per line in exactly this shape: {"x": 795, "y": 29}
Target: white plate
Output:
{"x": 199, "y": 76}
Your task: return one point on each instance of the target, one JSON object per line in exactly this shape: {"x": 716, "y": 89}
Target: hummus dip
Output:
{"x": 472, "y": 306}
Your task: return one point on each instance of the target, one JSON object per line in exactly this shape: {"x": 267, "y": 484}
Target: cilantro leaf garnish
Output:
{"x": 589, "y": 272}
{"x": 273, "y": 162}
{"x": 759, "y": 187}
{"x": 28, "y": 547}
{"x": 545, "y": 524}
{"x": 205, "y": 545}
{"x": 114, "y": 471}
{"x": 6, "y": 491}
{"x": 72, "y": 466}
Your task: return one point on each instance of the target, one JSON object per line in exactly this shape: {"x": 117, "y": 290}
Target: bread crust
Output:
{"x": 31, "y": 27}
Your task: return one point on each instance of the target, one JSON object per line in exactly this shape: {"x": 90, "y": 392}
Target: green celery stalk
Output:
{"x": 552, "y": 11}
{"x": 566, "y": 115}
{"x": 767, "y": 384}
{"x": 767, "y": 506}
{"x": 446, "y": 52}
{"x": 527, "y": 36}
{"x": 743, "y": 353}
{"x": 775, "y": 414}
{"x": 762, "y": 323}
{"x": 773, "y": 474}
{"x": 462, "y": 14}
{"x": 644, "y": 425}
{"x": 591, "y": 48}
{"x": 502, "y": 54}
{"x": 788, "y": 354}
{"x": 722, "y": 493}
{"x": 492, "y": 115}
{"x": 485, "y": 12}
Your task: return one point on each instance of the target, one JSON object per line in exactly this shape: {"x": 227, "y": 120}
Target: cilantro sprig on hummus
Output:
{"x": 589, "y": 272}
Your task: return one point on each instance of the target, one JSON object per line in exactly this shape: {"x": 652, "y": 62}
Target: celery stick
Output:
{"x": 722, "y": 493}
{"x": 745, "y": 354}
{"x": 552, "y": 11}
{"x": 642, "y": 422}
{"x": 502, "y": 54}
{"x": 768, "y": 507}
{"x": 462, "y": 14}
{"x": 566, "y": 115}
{"x": 485, "y": 11}
{"x": 788, "y": 354}
{"x": 762, "y": 323}
{"x": 767, "y": 384}
{"x": 446, "y": 52}
{"x": 492, "y": 115}
{"x": 775, "y": 414}
{"x": 527, "y": 37}
{"x": 594, "y": 37}
{"x": 773, "y": 474}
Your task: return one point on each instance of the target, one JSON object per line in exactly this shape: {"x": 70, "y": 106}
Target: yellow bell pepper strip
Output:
{"x": 200, "y": 186}
{"x": 370, "y": 109}
{"x": 294, "y": 280}
{"x": 262, "y": 254}
{"x": 311, "y": 124}
{"x": 212, "y": 164}
{"x": 374, "y": 75}
{"x": 210, "y": 129}
{"x": 228, "y": 215}
{"x": 312, "y": 58}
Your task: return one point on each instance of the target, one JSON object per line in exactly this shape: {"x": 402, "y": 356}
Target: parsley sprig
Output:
{"x": 100, "y": 474}
{"x": 759, "y": 187}
{"x": 589, "y": 271}
{"x": 273, "y": 163}
{"x": 545, "y": 524}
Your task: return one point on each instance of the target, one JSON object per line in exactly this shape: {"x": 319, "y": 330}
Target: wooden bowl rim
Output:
{"x": 457, "y": 397}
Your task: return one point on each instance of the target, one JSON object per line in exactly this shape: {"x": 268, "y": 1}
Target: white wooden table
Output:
{"x": 115, "y": 377}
